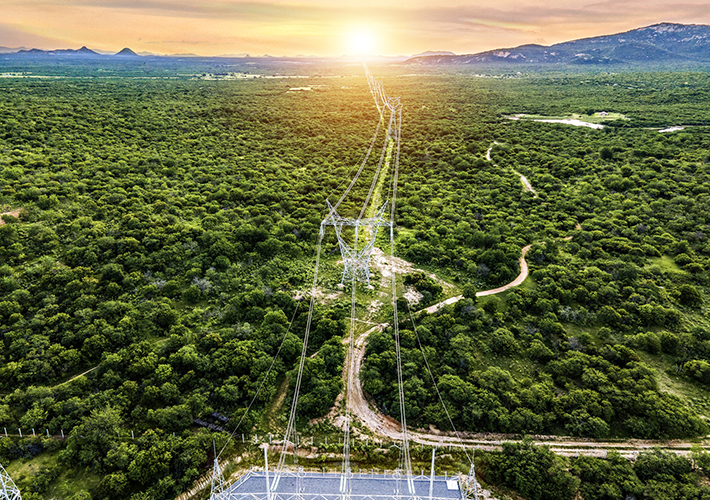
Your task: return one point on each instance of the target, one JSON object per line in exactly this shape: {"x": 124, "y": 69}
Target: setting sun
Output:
{"x": 361, "y": 42}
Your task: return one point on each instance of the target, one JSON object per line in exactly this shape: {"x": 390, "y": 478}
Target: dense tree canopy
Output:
{"x": 165, "y": 237}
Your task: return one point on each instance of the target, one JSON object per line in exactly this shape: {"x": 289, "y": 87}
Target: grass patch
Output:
{"x": 574, "y": 330}
{"x": 664, "y": 263}
{"x": 24, "y": 473}
{"x": 671, "y": 381}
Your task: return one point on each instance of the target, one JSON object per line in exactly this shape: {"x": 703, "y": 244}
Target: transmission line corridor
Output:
{"x": 355, "y": 238}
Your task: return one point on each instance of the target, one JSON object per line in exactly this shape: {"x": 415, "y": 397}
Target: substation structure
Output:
{"x": 326, "y": 486}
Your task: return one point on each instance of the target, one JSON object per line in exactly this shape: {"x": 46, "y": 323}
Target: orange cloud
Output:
{"x": 322, "y": 27}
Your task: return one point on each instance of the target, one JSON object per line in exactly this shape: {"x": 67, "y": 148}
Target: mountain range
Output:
{"x": 657, "y": 43}
{"x": 84, "y": 51}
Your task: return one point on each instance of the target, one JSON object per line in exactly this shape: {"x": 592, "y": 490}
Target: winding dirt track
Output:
{"x": 516, "y": 282}
{"x": 387, "y": 427}
{"x": 526, "y": 183}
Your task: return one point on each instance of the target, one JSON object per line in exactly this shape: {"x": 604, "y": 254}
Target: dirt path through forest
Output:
{"x": 488, "y": 153}
{"x": 387, "y": 427}
{"x": 526, "y": 183}
{"x": 384, "y": 425}
{"x": 75, "y": 377}
{"x": 516, "y": 282}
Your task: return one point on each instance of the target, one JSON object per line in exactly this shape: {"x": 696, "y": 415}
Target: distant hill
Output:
{"x": 61, "y": 52}
{"x": 9, "y": 50}
{"x": 126, "y": 52}
{"x": 657, "y": 43}
{"x": 434, "y": 53}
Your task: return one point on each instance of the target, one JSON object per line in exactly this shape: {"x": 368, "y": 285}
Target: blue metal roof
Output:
{"x": 326, "y": 486}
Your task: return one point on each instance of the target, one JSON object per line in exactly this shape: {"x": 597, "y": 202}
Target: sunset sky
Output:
{"x": 325, "y": 27}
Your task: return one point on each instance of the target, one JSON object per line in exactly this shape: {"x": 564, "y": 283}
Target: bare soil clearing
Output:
{"x": 526, "y": 183}
{"x": 14, "y": 213}
{"x": 591, "y": 121}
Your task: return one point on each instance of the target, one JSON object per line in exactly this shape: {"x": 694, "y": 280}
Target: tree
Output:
{"x": 90, "y": 442}
{"x": 689, "y": 296}
{"x": 469, "y": 291}
{"x": 534, "y": 472}
{"x": 502, "y": 341}
{"x": 606, "y": 479}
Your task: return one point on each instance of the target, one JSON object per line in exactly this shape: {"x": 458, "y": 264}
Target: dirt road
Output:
{"x": 488, "y": 153}
{"x": 75, "y": 377}
{"x": 526, "y": 183}
{"x": 516, "y": 282}
{"x": 387, "y": 427}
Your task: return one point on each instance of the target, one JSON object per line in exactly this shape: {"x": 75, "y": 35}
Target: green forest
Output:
{"x": 157, "y": 248}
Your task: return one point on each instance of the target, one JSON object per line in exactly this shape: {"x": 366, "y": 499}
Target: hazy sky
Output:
{"x": 325, "y": 27}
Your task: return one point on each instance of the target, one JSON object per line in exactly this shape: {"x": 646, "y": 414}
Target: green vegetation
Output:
{"x": 561, "y": 356}
{"x": 162, "y": 238}
{"x": 538, "y": 474}
{"x": 166, "y": 237}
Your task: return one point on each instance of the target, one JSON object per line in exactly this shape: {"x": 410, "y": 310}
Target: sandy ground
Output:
{"x": 321, "y": 296}
{"x": 671, "y": 129}
{"x": 576, "y": 123}
{"x": 383, "y": 263}
{"x": 412, "y": 296}
{"x": 526, "y": 183}
{"x": 14, "y": 213}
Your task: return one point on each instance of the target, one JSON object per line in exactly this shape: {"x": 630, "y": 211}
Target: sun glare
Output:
{"x": 361, "y": 43}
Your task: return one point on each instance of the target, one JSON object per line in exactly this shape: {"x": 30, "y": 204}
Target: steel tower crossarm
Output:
{"x": 8, "y": 489}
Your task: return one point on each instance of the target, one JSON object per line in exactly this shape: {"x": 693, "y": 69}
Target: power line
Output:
{"x": 292, "y": 417}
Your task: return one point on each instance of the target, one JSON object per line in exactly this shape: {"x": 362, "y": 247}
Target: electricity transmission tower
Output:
{"x": 8, "y": 490}
{"x": 356, "y": 262}
{"x": 356, "y": 238}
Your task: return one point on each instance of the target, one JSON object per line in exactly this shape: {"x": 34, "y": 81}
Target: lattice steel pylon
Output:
{"x": 218, "y": 483}
{"x": 8, "y": 489}
{"x": 356, "y": 262}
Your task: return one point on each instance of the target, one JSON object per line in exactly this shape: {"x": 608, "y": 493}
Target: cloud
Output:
{"x": 316, "y": 26}
{"x": 15, "y": 37}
